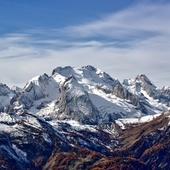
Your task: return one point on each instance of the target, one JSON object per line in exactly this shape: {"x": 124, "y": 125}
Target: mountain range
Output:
{"x": 82, "y": 118}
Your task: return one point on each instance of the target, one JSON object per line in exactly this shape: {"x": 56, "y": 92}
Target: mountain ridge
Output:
{"x": 86, "y": 113}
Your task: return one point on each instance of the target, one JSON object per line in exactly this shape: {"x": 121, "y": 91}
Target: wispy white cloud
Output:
{"x": 124, "y": 44}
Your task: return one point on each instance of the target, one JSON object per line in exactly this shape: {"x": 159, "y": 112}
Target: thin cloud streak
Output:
{"x": 139, "y": 18}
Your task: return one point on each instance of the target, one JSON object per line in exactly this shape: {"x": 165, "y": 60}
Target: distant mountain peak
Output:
{"x": 90, "y": 68}
{"x": 60, "y": 69}
{"x": 144, "y": 79}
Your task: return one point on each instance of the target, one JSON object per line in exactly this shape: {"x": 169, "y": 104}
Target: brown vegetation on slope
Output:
{"x": 85, "y": 159}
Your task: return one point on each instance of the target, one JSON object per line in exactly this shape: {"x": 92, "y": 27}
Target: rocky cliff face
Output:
{"x": 147, "y": 85}
{"x": 74, "y": 103}
{"x": 6, "y": 95}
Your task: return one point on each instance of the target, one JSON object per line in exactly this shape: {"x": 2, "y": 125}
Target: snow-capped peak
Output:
{"x": 87, "y": 75}
{"x": 87, "y": 92}
{"x": 142, "y": 84}
{"x": 143, "y": 79}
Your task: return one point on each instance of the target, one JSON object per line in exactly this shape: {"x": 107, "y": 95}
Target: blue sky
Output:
{"x": 17, "y": 15}
{"x": 123, "y": 38}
